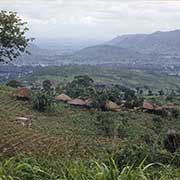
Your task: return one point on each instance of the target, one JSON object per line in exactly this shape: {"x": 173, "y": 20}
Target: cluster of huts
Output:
{"x": 109, "y": 105}
{"x": 25, "y": 93}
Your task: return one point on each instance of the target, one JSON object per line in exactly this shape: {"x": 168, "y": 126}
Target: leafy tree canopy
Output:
{"x": 13, "y": 41}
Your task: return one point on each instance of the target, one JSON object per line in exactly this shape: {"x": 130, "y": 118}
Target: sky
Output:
{"x": 95, "y": 18}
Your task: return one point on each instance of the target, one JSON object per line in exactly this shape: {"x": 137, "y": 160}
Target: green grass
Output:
{"x": 25, "y": 169}
{"x": 69, "y": 134}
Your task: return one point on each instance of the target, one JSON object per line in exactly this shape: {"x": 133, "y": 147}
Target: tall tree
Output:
{"x": 13, "y": 41}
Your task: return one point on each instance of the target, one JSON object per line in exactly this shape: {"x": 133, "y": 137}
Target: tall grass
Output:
{"x": 12, "y": 169}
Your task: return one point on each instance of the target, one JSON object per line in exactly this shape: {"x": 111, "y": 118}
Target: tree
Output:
{"x": 161, "y": 92}
{"x": 42, "y": 100}
{"x": 47, "y": 85}
{"x": 13, "y": 41}
{"x": 83, "y": 80}
{"x": 81, "y": 86}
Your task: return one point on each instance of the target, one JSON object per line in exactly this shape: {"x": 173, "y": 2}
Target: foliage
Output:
{"x": 81, "y": 86}
{"x": 83, "y": 80}
{"x": 14, "y": 169}
{"x": 47, "y": 85}
{"x": 14, "y": 84}
{"x": 100, "y": 98}
{"x": 13, "y": 41}
{"x": 135, "y": 153}
{"x": 72, "y": 134}
{"x": 42, "y": 100}
{"x": 172, "y": 141}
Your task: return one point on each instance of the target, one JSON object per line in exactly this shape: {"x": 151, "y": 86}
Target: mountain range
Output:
{"x": 161, "y": 48}
{"x": 158, "y": 42}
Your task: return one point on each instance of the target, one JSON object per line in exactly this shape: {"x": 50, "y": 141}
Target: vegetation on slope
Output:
{"x": 64, "y": 133}
{"x": 126, "y": 77}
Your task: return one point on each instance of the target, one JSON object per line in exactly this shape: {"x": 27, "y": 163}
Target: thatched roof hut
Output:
{"x": 111, "y": 106}
{"x": 169, "y": 106}
{"x": 63, "y": 97}
{"x": 22, "y": 93}
{"x": 150, "y": 106}
{"x": 77, "y": 102}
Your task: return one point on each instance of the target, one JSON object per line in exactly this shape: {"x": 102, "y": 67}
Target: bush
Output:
{"x": 42, "y": 100}
{"x": 47, "y": 85}
{"x": 14, "y": 84}
{"x": 172, "y": 141}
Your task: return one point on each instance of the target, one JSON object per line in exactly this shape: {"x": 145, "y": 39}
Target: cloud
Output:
{"x": 95, "y": 18}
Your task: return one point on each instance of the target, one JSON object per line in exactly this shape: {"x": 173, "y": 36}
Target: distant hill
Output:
{"x": 105, "y": 54}
{"x": 159, "y": 48}
{"x": 162, "y": 48}
{"x": 158, "y": 42}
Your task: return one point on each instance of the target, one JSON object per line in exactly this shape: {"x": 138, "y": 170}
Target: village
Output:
{"x": 146, "y": 106}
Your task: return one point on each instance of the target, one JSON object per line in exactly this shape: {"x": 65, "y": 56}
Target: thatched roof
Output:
{"x": 169, "y": 106}
{"x": 112, "y": 106}
{"x": 150, "y": 106}
{"x": 63, "y": 97}
{"x": 22, "y": 93}
{"x": 147, "y": 105}
{"x": 77, "y": 102}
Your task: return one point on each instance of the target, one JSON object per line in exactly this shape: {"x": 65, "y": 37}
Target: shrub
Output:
{"x": 100, "y": 99}
{"x": 47, "y": 85}
{"x": 172, "y": 141}
{"x": 42, "y": 100}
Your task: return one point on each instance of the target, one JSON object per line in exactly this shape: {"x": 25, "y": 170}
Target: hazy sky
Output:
{"x": 95, "y": 18}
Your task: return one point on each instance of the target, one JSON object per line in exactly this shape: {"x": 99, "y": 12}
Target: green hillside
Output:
{"x": 127, "y": 77}
{"x": 68, "y": 133}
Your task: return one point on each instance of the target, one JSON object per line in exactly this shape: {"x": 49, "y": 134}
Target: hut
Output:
{"x": 148, "y": 106}
{"x": 111, "y": 106}
{"x": 77, "y": 102}
{"x": 22, "y": 93}
{"x": 153, "y": 108}
{"x": 63, "y": 97}
{"x": 169, "y": 106}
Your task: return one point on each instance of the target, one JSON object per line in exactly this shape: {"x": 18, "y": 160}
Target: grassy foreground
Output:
{"x": 13, "y": 169}
{"x": 66, "y": 143}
